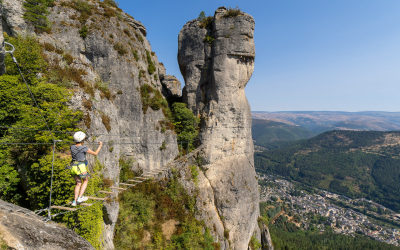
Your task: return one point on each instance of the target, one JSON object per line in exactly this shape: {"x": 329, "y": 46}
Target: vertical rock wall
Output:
{"x": 131, "y": 132}
{"x": 216, "y": 73}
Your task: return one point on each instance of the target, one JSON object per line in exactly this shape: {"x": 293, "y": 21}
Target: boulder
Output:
{"x": 171, "y": 86}
{"x": 21, "y": 231}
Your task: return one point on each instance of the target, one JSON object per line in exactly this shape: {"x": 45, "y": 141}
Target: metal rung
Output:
{"x": 125, "y": 184}
{"x": 82, "y": 204}
{"x": 118, "y": 188}
{"x": 96, "y": 198}
{"x": 134, "y": 181}
{"x": 142, "y": 178}
{"x": 63, "y": 208}
{"x": 107, "y": 192}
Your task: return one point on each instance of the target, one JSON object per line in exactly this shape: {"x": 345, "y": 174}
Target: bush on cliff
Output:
{"x": 185, "y": 122}
{"x": 149, "y": 208}
{"x": 18, "y": 110}
{"x": 36, "y": 12}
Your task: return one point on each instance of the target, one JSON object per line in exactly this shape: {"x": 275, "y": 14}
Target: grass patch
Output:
{"x": 152, "y": 98}
{"x": 135, "y": 55}
{"x": 120, "y": 49}
{"x": 151, "y": 67}
{"x": 106, "y": 121}
{"x": 232, "y": 12}
{"x": 209, "y": 39}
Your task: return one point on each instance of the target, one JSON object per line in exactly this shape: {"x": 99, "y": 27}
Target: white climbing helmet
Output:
{"x": 79, "y": 136}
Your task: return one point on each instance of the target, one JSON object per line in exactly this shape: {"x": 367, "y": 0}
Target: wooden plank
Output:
{"x": 82, "y": 204}
{"x": 63, "y": 208}
{"x": 107, "y": 192}
{"x": 96, "y": 198}
{"x": 135, "y": 181}
{"x": 126, "y": 184}
{"x": 118, "y": 188}
{"x": 141, "y": 178}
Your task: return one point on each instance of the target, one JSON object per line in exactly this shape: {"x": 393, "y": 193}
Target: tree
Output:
{"x": 186, "y": 123}
{"x": 202, "y": 16}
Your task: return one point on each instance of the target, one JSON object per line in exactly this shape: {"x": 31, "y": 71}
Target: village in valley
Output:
{"x": 322, "y": 210}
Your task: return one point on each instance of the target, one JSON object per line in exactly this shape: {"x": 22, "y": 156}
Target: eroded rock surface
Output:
{"x": 171, "y": 86}
{"x": 117, "y": 118}
{"x": 20, "y": 231}
{"x": 216, "y": 73}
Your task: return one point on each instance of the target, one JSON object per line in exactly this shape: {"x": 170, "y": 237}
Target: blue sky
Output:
{"x": 341, "y": 55}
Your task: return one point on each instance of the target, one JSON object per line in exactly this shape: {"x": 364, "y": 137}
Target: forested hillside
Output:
{"x": 353, "y": 163}
{"x": 271, "y": 134}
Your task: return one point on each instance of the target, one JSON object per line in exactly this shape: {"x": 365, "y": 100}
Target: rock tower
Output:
{"x": 216, "y": 60}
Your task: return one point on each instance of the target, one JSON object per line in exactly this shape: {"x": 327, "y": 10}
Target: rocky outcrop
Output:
{"x": 171, "y": 86}
{"x": 136, "y": 25}
{"x": 19, "y": 231}
{"x": 12, "y": 20}
{"x": 116, "y": 116}
{"x": 266, "y": 241}
{"x": 216, "y": 63}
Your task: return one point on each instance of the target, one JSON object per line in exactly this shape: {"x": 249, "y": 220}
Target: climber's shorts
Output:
{"x": 78, "y": 169}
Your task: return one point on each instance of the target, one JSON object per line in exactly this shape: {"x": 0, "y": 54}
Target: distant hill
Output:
{"x": 321, "y": 121}
{"x": 271, "y": 134}
{"x": 353, "y": 163}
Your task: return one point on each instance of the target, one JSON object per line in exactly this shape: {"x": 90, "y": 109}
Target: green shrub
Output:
{"x": 36, "y": 12}
{"x": 254, "y": 244}
{"x": 83, "y": 32}
{"x": 152, "y": 98}
{"x": 204, "y": 21}
{"x": 135, "y": 55}
{"x": 126, "y": 172}
{"x": 186, "y": 123}
{"x": 120, "y": 49}
{"x": 209, "y": 39}
{"x": 195, "y": 173}
{"x": 155, "y": 77}
{"x": 151, "y": 67}
{"x": 232, "y": 12}
{"x": 147, "y": 206}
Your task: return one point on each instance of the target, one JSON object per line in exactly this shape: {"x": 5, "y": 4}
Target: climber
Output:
{"x": 79, "y": 166}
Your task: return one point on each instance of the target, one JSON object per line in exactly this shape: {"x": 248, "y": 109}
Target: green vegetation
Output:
{"x": 135, "y": 55}
{"x": 120, "y": 49}
{"x": 205, "y": 22}
{"x": 186, "y": 123}
{"x": 151, "y": 67}
{"x": 254, "y": 243}
{"x": 18, "y": 110}
{"x": 353, "y": 163}
{"x": 232, "y": 12}
{"x": 209, "y": 39}
{"x": 36, "y": 12}
{"x": 126, "y": 172}
{"x": 195, "y": 173}
{"x": 83, "y": 32}
{"x": 152, "y": 98}
{"x": 150, "y": 209}
{"x": 272, "y": 135}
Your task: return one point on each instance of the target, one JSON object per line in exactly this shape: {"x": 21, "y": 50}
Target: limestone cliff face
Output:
{"x": 107, "y": 54}
{"x": 216, "y": 73}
